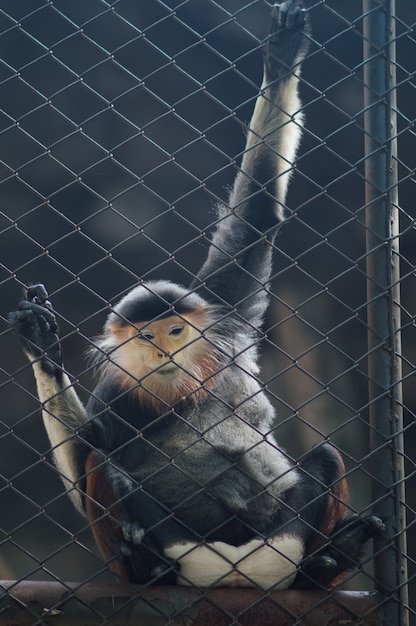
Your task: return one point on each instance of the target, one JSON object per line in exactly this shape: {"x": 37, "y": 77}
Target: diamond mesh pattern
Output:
{"x": 121, "y": 126}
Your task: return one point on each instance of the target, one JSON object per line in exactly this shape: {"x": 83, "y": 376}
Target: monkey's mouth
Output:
{"x": 169, "y": 370}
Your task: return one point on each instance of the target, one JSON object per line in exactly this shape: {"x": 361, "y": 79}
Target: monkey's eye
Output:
{"x": 175, "y": 331}
{"x": 146, "y": 335}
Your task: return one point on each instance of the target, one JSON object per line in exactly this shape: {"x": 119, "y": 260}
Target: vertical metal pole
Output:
{"x": 383, "y": 309}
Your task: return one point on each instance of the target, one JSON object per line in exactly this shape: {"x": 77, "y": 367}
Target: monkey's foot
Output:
{"x": 165, "y": 571}
{"x": 36, "y": 328}
{"x": 133, "y": 535}
{"x": 342, "y": 554}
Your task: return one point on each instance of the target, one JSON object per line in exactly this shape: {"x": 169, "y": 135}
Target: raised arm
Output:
{"x": 62, "y": 411}
{"x": 238, "y": 265}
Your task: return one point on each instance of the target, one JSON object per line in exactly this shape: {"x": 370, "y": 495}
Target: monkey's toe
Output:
{"x": 168, "y": 568}
{"x": 37, "y": 294}
{"x": 133, "y": 533}
{"x": 351, "y": 535}
{"x": 376, "y": 524}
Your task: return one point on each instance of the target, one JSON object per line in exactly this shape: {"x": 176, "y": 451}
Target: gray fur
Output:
{"x": 213, "y": 454}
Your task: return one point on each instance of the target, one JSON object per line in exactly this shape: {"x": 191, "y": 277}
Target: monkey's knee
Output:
{"x": 324, "y": 468}
{"x": 324, "y": 463}
{"x": 104, "y": 512}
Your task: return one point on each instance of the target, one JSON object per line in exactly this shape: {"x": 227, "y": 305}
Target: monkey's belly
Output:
{"x": 268, "y": 565}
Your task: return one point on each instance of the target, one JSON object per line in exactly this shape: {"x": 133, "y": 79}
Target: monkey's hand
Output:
{"x": 288, "y": 41}
{"x": 36, "y": 327}
{"x": 344, "y": 553}
{"x": 165, "y": 571}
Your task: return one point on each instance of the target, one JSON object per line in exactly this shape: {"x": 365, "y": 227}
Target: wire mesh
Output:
{"x": 122, "y": 126}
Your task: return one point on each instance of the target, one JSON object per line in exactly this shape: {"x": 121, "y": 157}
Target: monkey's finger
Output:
{"x": 289, "y": 15}
{"x": 40, "y": 312}
{"x": 37, "y": 293}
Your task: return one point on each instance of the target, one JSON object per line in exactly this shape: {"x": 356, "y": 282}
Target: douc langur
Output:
{"x": 173, "y": 460}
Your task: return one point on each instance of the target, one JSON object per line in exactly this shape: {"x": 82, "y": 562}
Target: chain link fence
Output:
{"x": 122, "y": 125}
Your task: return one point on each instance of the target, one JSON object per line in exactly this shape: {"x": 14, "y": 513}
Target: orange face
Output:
{"x": 159, "y": 347}
{"x": 169, "y": 357}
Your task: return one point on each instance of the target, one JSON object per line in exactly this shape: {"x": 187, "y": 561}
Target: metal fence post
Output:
{"x": 383, "y": 309}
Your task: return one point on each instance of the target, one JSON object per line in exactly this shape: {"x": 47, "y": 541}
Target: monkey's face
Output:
{"x": 162, "y": 347}
{"x": 169, "y": 357}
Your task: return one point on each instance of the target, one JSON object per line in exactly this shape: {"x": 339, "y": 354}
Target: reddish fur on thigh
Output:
{"x": 335, "y": 511}
{"x": 105, "y": 515}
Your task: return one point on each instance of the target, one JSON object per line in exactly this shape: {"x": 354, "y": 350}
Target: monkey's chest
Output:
{"x": 215, "y": 495}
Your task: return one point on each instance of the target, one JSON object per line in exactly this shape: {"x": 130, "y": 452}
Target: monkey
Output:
{"x": 173, "y": 460}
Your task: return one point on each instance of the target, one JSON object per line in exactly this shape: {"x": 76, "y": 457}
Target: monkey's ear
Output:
{"x": 197, "y": 316}
{"x": 122, "y": 333}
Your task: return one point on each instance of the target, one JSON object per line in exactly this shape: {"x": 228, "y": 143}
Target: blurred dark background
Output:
{"x": 121, "y": 127}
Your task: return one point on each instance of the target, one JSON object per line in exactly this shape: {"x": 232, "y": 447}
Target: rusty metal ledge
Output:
{"x": 62, "y": 604}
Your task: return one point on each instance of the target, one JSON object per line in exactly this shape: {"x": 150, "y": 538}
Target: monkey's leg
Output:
{"x": 62, "y": 411}
{"x": 342, "y": 554}
{"x": 335, "y": 545}
{"x": 105, "y": 515}
{"x": 130, "y": 527}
